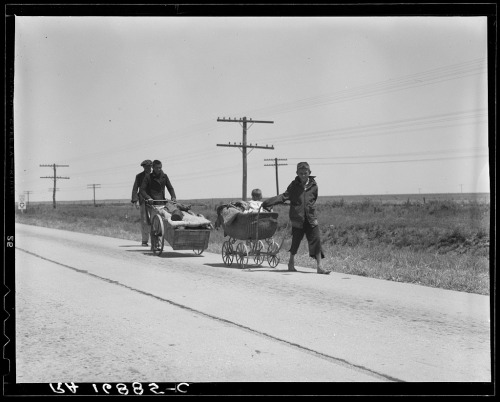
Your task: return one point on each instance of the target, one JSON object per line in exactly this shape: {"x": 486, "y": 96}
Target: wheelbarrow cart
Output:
{"x": 180, "y": 235}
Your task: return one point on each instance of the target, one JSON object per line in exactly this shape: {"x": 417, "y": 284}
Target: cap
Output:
{"x": 147, "y": 162}
{"x": 303, "y": 165}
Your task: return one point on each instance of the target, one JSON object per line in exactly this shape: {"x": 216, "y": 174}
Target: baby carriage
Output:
{"x": 255, "y": 232}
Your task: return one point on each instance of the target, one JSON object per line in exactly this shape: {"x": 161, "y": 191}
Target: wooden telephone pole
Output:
{"x": 276, "y": 164}
{"x": 28, "y": 194}
{"x": 55, "y": 177}
{"x": 244, "y": 146}
{"x": 93, "y": 186}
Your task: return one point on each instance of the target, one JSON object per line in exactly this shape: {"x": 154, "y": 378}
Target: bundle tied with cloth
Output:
{"x": 179, "y": 216}
{"x": 239, "y": 220}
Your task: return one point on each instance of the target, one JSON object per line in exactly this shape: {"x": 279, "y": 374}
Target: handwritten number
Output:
{"x": 137, "y": 387}
{"x": 153, "y": 387}
{"x": 122, "y": 389}
{"x": 179, "y": 387}
{"x": 59, "y": 389}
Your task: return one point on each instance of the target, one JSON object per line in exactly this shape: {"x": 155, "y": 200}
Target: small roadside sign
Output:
{"x": 21, "y": 204}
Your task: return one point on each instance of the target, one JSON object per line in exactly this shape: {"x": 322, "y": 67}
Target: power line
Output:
{"x": 371, "y": 130}
{"x": 440, "y": 74}
{"x": 416, "y": 80}
{"x": 243, "y": 146}
{"x": 55, "y": 177}
{"x": 405, "y": 161}
{"x": 426, "y": 153}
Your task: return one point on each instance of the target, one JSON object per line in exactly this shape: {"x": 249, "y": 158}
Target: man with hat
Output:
{"x": 302, "y": 193}
{"x": 139, "y": 201}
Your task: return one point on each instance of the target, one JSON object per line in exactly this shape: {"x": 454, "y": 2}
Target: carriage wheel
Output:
{"x": 241, "y": 254}
{"x": 198, "y": 251}
{"x": 273, "y": 260}
{"x": 157, "y": 235}
{"x": 259, "y": 256}
{"x": 227, "y": 253}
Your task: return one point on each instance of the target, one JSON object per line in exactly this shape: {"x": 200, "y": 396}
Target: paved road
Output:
{"x": 101, "y": 309}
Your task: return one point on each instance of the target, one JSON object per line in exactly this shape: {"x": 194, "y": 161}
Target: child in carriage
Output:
{"x": 256, "y": 201}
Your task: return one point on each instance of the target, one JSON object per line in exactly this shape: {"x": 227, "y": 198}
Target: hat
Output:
{"x": 147, "y": 162}
{"x": 303, "y": 165}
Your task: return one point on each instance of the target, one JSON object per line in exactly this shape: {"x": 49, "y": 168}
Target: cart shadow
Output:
{"x": 221, "y": 265}
{"x": 164, "y": 254}
{"x": 174, "y": 254}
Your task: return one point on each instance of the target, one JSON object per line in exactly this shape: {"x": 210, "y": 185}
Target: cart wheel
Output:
{"x": 227, "y": 253}
{"x": 157, "y": 235}
{"x": 198, "y": 251}
{"x": 273, "y": 260}
{"x": 242, "y": 254}
{"x": 259, "y": 256}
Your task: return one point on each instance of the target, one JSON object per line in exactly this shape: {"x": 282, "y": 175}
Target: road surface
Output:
{"x": 97, "y": 309}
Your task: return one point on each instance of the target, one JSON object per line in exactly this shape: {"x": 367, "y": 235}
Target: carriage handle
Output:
{"x": 150, "y": 203}
{"x": 257, "y": 228}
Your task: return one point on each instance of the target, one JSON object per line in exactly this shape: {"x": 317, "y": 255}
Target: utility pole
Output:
{"x": 460, "y": 188}
{"x": 243, "y": 145}
{"x": 276, "y": 164}
{"x": 55, "y": 177}
{"x": 28, "y": 194}
{"x": 93, "y": 186}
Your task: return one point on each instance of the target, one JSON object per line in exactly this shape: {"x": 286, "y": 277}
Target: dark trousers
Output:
{"x": 313, "y": 239}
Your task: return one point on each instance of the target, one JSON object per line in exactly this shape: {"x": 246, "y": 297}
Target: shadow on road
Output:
{"x": 174, "y": 254}
{"x": 165, "y": 254}
{"x": 255, "y": 269}
{"x": 278, "y": 271}
{"x": 221, "y": 265}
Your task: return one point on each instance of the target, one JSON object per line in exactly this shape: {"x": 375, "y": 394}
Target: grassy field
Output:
{"x": 440, "y": 241}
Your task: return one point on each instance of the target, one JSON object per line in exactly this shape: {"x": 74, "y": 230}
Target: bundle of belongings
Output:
{"x": 180, "y": 216}
{"x": 226, "y": 213}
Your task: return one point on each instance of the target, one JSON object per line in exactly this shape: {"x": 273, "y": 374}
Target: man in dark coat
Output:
{"x": 138, "y": 200}
{"x": 302, "y": 193}
{"x": 153, "y": 185}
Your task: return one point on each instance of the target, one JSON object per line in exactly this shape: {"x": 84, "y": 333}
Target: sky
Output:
{"x": 376, "y": 105}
